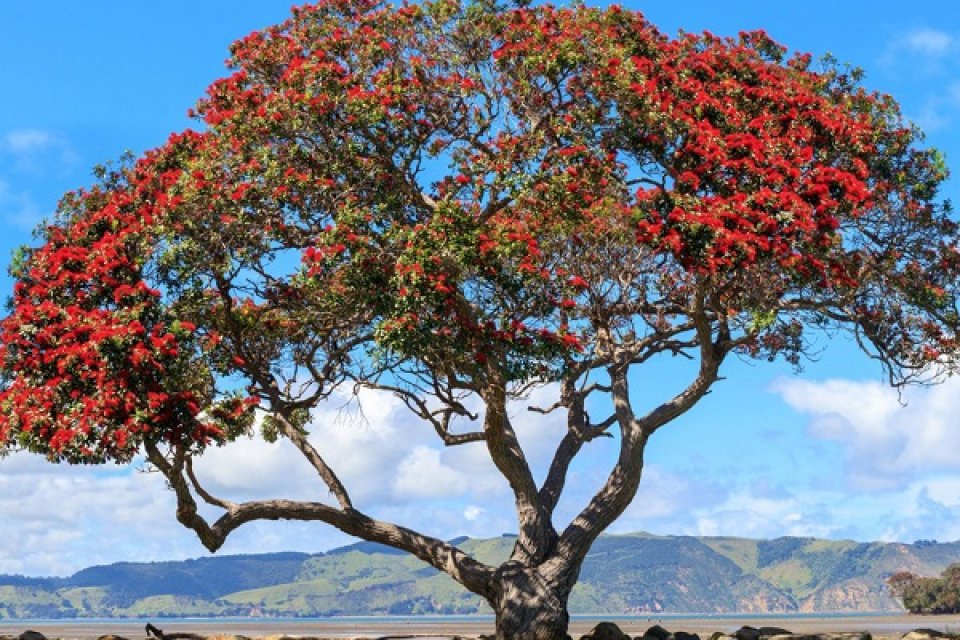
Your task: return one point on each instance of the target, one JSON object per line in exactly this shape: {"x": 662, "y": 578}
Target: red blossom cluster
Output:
{"x": 96, "y": 362}
{"x": 483, "y": 192}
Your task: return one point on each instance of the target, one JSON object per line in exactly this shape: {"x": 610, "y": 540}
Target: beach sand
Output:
{"x": 892, "y": 626}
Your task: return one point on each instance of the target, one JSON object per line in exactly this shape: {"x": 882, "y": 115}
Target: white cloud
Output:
{"x": 886, "y": 444}
{"x": 37, "y": 151}
{"x": 29, "y": 140}
{"x": 925, "y": 46}
{"x": 745, "y": 513}
{"x": 928, "y": 42}
{"x": 392, "y": 464}
{"x": 662, "y": 495}
{"x": 473, "y": 512}
{"x": 383, "y": 454}
{"x": 422, "y": 474}
{"x": 924, "y": 509}
{"x": 56, "y": 517}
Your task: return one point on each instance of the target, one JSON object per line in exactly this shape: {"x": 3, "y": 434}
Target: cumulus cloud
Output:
{"x": 886, "y": 443}
{"x": 382, "y": 453}
{"x": 422, "y": 475}
{"x": 755, "y": 513}
{"x": 473, "y": 512}
{"x": 393, "y": 465}
{"x": 923, "y": 509}
{"x": 56, "y": 517}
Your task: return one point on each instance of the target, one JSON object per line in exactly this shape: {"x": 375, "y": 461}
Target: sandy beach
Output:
{"x": 881, "y": 626}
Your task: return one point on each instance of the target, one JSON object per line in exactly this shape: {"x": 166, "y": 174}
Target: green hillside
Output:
{"x": 834, "y": 575}
{"x": 623, "y": 574}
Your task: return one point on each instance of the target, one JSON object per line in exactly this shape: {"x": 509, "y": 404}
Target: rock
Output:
{"x": 110, "y": 636}
{"x": 32, "y": 635}
{"x": 750, "y": 633}
{"x": 820, "y": 636}
{"x": 606, "y": 631}
{"x": 656, "y": 632}
{"x": 766, "y": 632}
{"x": 720, "y": 635}
{"x": 747, "y": 633}
{"x": 924, "y": 634}
{"x": 683, "y": 635}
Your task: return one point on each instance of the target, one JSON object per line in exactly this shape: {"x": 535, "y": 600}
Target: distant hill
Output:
{"x": 635, "y": 573}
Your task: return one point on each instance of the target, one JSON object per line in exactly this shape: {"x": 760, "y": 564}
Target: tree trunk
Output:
{"x": 531, "y": 604}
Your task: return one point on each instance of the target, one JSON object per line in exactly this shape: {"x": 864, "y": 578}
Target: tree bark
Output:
{"x": 531, "y": 602}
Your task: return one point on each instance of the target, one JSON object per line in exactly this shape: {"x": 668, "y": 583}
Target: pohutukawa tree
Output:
{"x": 457, "y": 203}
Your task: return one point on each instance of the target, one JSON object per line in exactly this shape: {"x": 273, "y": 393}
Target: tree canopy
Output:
{"x": 457, "y": 203}
{"x": 928, "y": 595}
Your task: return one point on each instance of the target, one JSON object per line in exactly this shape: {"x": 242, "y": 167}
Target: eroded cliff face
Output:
{"x": 854, "y": 595}
{"x": 766, "y": 603}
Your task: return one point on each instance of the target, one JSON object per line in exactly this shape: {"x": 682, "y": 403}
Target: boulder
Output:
{"x": 683, "y": 635}
{"x": 766, "y": 632}
{"x": 32, "y": 635}
{"x": 720, "y": 635}
{"x": 606, "y": 631}
{"x": 747, "y": 632}
{"x": 926, "y": 634}
{"x": 656, "y": 632}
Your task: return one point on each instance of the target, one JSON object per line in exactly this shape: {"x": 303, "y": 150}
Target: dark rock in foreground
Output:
{"x": 602, "y": 631}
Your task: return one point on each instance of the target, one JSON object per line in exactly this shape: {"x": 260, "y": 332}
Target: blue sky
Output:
{"x": 829, "y": 452}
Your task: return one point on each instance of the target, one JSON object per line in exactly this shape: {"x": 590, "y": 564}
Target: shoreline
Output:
{"x": 879, "y": 625}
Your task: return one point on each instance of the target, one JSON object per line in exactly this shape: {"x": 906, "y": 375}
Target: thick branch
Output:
{"x": 579, "y": 431}
{"x": 308, "y": 451}
{"x": 622, "y": 483}
{"x": 536, "y": 535}
{"x": 711, "y": 357}
{"x": 473, "y": 575}
{"x": 205, "y": 495}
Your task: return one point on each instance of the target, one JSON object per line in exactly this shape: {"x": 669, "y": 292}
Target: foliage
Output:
{"x": 455, "y": 203}
{"x": 571, "y": 138}
{"x": 928, "y": 595}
